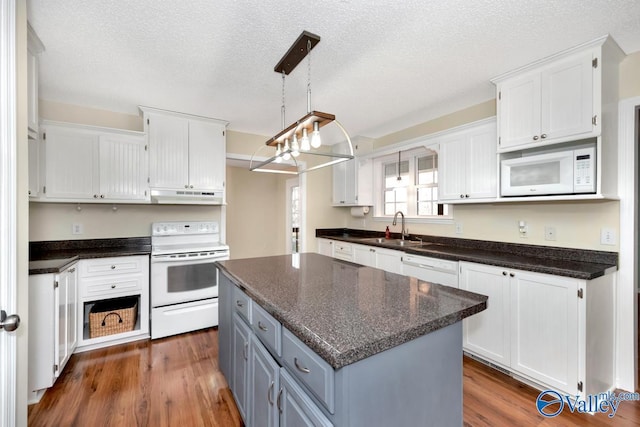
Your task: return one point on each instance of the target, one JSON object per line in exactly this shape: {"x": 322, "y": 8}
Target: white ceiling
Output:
{"x": 380, "y": 67}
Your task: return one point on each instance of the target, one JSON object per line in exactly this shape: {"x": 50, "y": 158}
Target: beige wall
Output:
{"x": 255, "y": 213}
{"x": 60, "y": 112}
{"x": 630, "y": 76}
{"x": 53, "y": 221}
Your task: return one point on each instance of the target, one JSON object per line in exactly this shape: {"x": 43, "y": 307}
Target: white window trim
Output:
{"x": 384, "y": 156}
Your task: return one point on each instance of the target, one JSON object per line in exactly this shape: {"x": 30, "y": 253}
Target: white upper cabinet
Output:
{"x": 86, "y": 163}
{"x": 353, "y": 179}
{"x": 34, "y": 49}
{"x": 185, "y": 152}
{"x": 207, "y": 155}
{"x": 123, "y": 167}
{"x": 468, "y": 164}
{"x": 557, "y": 99}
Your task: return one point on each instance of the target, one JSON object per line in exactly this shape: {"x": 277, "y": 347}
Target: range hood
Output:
{"x": 187, "y": 197}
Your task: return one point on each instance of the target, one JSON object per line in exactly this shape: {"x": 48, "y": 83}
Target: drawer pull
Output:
{"x": 113, "y": 267}
{"x": 278, "y": 401}
{"x": 300, "y": 368}
{"x": 269, "y": 393}
{"x": 262, "y": 327}
{"x": 239, "y": 303}
{"x": 113, "y": 286}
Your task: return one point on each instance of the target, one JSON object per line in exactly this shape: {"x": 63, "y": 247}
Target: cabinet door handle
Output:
{"x": 95, "y": 196}
{"x": 504, "y": 273}
{"x": 102, "y": 196}
{"x": 372, "y": 250}
{"x": 462, "y": 196}
{"x": 239, "y": 303}
{"x": 300, "y": 368}
{"x": 191, "y": 186}
{"x": 113, "y": 286}
{"x": 543, "y": 136}
{"x": 262, "y": 327}
{"x": 466, "y": 196}
{"x": 72, "y": 270}
{"x": 269, "y": 393}
{"x": 512, "y": 275}
{"x": 113, "y": 267}
{"x": 244, "y": 351}
{"x": 535, "y": 137}
{"x": 278, "y": 401}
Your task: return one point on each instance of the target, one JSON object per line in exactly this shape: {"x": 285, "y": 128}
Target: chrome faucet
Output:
{"x": 395, "y": 222}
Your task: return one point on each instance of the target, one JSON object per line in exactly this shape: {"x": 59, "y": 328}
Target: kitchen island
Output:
{"x": 310, "y": 340}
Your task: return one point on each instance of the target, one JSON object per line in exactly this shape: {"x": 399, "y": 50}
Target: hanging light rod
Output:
{"x": 297, "y": 52}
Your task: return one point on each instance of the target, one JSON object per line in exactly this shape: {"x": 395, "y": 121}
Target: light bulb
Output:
{"x": 305, "y": 146}
{"x": 278, "y": 154}
{"x": 315, "y": 136}
{"x": 286, "y": 155}
{"x": 295, "y": 147}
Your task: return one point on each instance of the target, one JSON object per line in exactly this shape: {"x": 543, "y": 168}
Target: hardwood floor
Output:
{"x": 176, "y": 382}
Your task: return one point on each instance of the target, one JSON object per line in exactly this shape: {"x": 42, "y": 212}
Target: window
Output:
{"x": 409, "y": 183}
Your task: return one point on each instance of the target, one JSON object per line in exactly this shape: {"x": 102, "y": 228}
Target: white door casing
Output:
{"x": 8, "y": 220}
{"x": 627, "y": 280}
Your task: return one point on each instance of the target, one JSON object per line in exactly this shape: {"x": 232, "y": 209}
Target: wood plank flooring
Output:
{"x": 176, "y": 382}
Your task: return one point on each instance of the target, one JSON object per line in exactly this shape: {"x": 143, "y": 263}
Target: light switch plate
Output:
{"x": 549, "y": 233}
{"x": 77, "y": 228}
{"x": 458, "y": 228}
{"x": 608, "y": 236}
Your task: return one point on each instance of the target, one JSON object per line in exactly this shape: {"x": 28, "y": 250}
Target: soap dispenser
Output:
{"x": 387, "y": 233}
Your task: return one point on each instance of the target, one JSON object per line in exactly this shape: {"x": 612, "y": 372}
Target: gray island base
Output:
{"x": 311, "y": 340}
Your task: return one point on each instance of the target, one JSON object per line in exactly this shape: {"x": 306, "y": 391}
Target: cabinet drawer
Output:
{"x": 309, "y": 368}
{"x": 116, "y": 265}
{"x": 343, "y": 251}
{"x": 112, "y": 285}
{"x": 242, "y": 304}
{"x": 267, "y": 329}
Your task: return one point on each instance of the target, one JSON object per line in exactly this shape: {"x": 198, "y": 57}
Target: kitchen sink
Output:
{"x": 393, "y": 242}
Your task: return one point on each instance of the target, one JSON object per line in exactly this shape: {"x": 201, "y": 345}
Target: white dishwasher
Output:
{"x": 432, "y": 270}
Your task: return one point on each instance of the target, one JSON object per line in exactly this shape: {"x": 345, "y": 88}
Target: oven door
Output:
{"x": 177, "y": 278}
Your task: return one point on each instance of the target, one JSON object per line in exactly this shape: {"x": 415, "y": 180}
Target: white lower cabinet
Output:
{"x": 555, "y": 331}
{"x": 364, "y": 255}
{"x": 53, "y": 300}
{"x": 487, "y": 334}
{"x": 109, "y": 280}
{"x": 325, "y": 247}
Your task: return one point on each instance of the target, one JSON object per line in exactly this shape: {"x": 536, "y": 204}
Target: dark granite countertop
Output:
{"x": 576, "y": 263}
{"x": 54, "y": 256}
{"x": 346, "y": 312}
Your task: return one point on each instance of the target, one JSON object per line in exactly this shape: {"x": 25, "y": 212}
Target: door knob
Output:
{"x": 9, "y": 323}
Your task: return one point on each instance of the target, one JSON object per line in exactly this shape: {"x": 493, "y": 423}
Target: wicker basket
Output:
{"x": 113, "y": 316}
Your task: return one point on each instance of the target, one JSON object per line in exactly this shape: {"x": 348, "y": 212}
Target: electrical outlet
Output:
{"x": 608, "y": 236}
{"x": 458, "y": 228}
{"x": 77, "y": 229}
{"x": 549, "y": 233}
{"x": 523, "y": 229}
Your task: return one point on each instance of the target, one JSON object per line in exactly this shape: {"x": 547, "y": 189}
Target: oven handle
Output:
{"x": 166, "y": 258}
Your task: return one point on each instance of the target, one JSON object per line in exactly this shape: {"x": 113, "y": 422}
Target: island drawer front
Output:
{"x": 267, "y": 329}
{"x": 242, "y": 304}
{"x": 309, "y": 368}
{"x": 112, "y": 266}
{"x": 111, "y": 285}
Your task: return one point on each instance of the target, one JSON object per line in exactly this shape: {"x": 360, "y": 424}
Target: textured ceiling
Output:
{"x": 381, "y": 66}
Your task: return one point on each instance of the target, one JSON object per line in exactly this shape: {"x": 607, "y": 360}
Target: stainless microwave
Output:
{"x": 570, "y": 171}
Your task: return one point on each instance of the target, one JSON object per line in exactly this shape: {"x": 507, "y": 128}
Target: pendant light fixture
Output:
{"x": 302, "y": 136}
